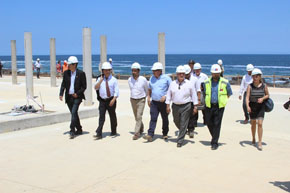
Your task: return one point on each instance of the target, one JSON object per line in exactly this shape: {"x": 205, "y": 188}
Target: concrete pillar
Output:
{"x": 28, "y": 63}
{"x": 87, "y": 64}
{"x": 52, "y": 63}
{"x": 161, "y": 49}
{"x": 103, "y": 56}
{"x": 13, "y": 62}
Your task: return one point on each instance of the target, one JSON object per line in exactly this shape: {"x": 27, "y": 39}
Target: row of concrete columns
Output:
{"x": 87, "y": 60}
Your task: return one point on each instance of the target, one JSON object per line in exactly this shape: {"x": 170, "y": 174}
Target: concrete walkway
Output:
{"x": 44, "y": 159}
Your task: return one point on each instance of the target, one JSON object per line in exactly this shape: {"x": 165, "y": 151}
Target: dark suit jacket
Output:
{"x": 80, "y": 84}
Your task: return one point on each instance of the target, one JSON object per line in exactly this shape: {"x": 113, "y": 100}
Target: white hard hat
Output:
{"x": 157, "y": 66}
{"x": 180, "y": 69}
{"x": 38, "y": 59}
{"x": 250, "y": 67}
{"x": 256, "y": 71}
{"x": 106, "y": 66}
{"x": 110, "y": 60}
{"x": 187, "y": 69}
{"x": 65, "y": 61}
{"x": 196, "y": 66}
{"x": 72, "y": 60}
{"x": 136, "y": 65}
{"x": 215, "y": 68}
{"x": 220, "y": 62}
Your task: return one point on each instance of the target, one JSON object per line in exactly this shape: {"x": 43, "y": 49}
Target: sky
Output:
{"x": 132, "y": 26}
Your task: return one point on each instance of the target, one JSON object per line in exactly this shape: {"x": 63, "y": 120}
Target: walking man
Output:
{"x": 1, "y": 66}
{"x": 217, "y": 92}
{"x": 158, "y": 86}
{"x": 37, "y": 66}
{"x": 139, "y": 88}
{"x": 194, "y": 83}
{"x": 181, "y": 93}
{"x": 201, "y": 77}
{"x": 74, "y": 84}
{"x": 246, "y": 81}
{"x": 109, "y": 92}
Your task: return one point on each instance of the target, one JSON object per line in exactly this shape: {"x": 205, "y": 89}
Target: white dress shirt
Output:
{"x": 201, "y": 78}
{"x": 37, "y": 64}
{"x": 247, "y": 79}
{"x": 195, "y": 83}
{"x": 181, "y": 93}
{"x": 113, "y": 86}
{"x": 72, "y": 82}
{"x": 138, "y": 87}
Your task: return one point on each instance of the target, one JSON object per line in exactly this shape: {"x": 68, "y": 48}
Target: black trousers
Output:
{"x": 214, "y": 116}
{"x": 37, "y": 72}
{"x": 73, "y": 105}
{"x": 103, "y": 107}
{"x": 191, "y": 122}
{"x": 245, "y": 106}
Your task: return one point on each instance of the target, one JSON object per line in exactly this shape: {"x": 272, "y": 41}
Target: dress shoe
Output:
{"x": 191, "y": 134}
{"x": 97, "y": 137}
{"x": 135, "y": 137}
{"x": 113, "y": 134}
{"x": 179, "y": 144}
{"x": 214, "y": 146}
{"x": 79, "y": 132}
{"x": 148, "y": 138}
{"x": 165, "y": 137}
{"x": 246, "y": 121}
{"x": 71, "y": 135}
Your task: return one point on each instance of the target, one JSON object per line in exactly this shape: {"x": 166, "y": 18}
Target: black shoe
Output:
{"x": 179, "y": 144}
{"x": 113, "y": 134}
{"x": 71, "y": 135}
{"x": 214, "y": 146}
{"x": 191, "y": 134}
{"x": 79, "y": 132}
{"x": 97, "y": 137}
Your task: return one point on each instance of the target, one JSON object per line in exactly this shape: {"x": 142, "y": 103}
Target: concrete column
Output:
{"x": 103, "y": 56}
{"x": 13, "y": 62}
{"x": 87, "y": 64}
{"x": 52, "y": 63}
{"x": 28, "y": 63}
{"x": 161, "y": 49}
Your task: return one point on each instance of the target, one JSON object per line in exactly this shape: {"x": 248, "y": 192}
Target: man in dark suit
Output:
{"x": 74, "y": 84}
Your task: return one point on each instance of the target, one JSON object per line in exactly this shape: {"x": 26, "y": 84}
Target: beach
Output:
{"x": 44, "y": 159}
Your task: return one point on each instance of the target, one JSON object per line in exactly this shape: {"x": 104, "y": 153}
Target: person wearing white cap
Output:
{"x": 247, "y": 79}
{"x": 194, "y": 83}
{"x": 108, "y": 88}
{"x": 257, "y": 93}
{"x": 74, "y": 84}
{"x": 201, "y": 77}
{"x": 181, "y": 93}
{"x": 217, "y": 91}
{"x": 220, "y": 62}
{"x": 158, "y": 86}
{"x": 37, "y": 65}
{"x": 139, "y": 88}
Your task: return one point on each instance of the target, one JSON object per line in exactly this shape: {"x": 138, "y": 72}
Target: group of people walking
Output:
{"x": 192, "y": 91}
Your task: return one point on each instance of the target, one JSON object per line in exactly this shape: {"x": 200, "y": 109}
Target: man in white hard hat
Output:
{"x": 194, "y": 83}
{"x": 74, "y": 84}
{"x": 37, "y": 66}
{"x": 181, "y": 93}
{"x": 220, "y": 63}
{"x": 109, "y": 92}
{"x": 201, "y": 77}
{"x": 246, "y": 81}
{"x": 217, "y": 91}
{"x": 158, "y": 86}
{"x": 139, "y": 88}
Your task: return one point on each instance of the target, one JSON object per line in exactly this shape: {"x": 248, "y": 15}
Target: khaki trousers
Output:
{"x": 138, "y": 108}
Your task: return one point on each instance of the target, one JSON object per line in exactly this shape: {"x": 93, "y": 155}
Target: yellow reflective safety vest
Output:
{"x": 222, "y": 92}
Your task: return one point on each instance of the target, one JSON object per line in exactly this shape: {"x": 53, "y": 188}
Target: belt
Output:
{"x": 214, "y": 104}
{"x": 107, "y": 99}
{"x": 182, "y": 104}
{"x": 138, "y": 99}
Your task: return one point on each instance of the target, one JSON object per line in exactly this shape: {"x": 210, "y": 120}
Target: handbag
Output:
{"x": 286, "y": 105}
{"x": 269, "y": 105}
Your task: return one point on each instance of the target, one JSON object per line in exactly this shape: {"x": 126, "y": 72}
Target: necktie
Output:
{"x": 108, "y": 89}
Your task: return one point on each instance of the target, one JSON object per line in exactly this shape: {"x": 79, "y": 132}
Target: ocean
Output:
{"x": 234, "y": 64}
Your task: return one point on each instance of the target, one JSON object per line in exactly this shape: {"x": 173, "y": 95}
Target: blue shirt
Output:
{"x": 159, "y": 86}
{"x": 215, "y": 90}
{"x": 113, "y": 86}
{"x": 72, "y": 82}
